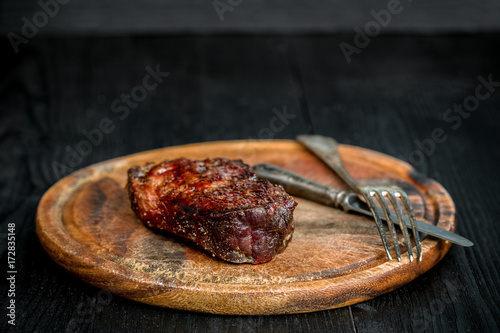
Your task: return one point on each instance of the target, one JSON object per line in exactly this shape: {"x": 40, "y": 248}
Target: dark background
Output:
{"x": 225, "y": 78}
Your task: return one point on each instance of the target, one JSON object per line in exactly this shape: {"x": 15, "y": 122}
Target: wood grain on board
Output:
{"x": 86, "y": 225}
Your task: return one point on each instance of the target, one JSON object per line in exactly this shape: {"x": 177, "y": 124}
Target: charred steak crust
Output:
{"x": 218, "y": 204}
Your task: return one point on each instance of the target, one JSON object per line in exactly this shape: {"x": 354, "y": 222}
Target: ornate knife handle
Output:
{"x": 301, "y": 187}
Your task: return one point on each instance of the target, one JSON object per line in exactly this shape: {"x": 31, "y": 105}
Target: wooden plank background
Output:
{"x": 394, "y": 92}
{"x": 105, "y": 17}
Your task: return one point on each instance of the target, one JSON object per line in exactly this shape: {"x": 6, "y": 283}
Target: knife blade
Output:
{"x": 347, "y": 201}
{"x": 356, "y": 204}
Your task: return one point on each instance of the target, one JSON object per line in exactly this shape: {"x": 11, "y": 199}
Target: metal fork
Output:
{"x": 327, "y": 150}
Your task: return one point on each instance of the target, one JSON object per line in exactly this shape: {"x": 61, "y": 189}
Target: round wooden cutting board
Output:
{"x": 86, "y": 225}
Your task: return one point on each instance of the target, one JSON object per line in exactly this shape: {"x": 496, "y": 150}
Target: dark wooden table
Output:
{"x": 393, "y": 97}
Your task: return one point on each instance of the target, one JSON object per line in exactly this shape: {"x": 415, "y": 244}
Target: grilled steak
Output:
{"x": 217, "y": 204}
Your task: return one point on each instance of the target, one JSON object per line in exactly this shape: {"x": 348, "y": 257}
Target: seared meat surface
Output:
{"x": 218, "y": 204}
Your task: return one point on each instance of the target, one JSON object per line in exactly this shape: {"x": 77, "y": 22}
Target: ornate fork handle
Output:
{"x": 327, "y": 149}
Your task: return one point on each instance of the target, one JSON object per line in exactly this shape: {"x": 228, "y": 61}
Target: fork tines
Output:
{"x": 393, "y": 216}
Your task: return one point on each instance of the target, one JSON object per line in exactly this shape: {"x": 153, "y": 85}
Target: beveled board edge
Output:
{"x": 231, "y": 299}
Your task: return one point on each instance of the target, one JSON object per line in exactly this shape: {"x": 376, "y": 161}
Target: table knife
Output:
{"x": 347, "y": 201}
